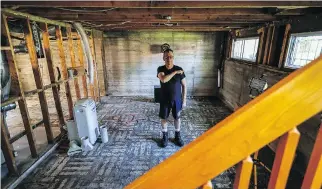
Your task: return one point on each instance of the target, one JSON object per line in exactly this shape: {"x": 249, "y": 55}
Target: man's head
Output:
{"x": 168, "y": 57}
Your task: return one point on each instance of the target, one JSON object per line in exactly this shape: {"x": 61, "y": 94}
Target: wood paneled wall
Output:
{"x": 132, "y": 59}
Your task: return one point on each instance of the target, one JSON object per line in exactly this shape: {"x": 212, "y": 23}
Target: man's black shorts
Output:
{"x": 166, "y": 107}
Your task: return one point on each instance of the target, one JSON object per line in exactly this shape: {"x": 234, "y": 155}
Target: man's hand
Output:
{"x": 179, "y": 71}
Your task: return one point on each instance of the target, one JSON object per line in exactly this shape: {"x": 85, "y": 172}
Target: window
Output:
{"x": 245, "y": 48}
{"x": 303, "y": 48}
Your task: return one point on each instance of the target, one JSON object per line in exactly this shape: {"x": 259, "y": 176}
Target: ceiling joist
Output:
{"x": 166, "y": 4}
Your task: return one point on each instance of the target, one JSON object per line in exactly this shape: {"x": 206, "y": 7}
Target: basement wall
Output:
{"x": 132, "y": 59}
{"x": 237, "y": 74}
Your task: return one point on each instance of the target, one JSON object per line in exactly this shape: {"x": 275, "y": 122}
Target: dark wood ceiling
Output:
{"x": 168, "y": 15}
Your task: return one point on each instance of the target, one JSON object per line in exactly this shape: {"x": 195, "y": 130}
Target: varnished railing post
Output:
{"x": 50, "y": 66}
{"x": 38, "y": 80}
{"x": 207, "y": 185}
{"x": 59, "y": 38}
{"x": 72, "y": 57}
{"x": 313, "y": 175}
{"x": 283, "y": 159}
{"x": 17, "y": 87}
{"x": 243, "y": 173}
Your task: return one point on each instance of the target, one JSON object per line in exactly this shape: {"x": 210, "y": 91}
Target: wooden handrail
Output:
{"x": 291, "y": 101}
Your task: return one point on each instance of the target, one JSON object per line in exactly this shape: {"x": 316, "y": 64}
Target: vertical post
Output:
{"x": 95, "y": 86}
{"x": 50, "y": 66}
{"x": 267, "y": 44}
{"x": 17, "y": 87}
{"x": 261, "y": 49}
{"x": 313, "y": 174}
{"x": 7, "y": 150}
{"x": 283, "y": 159}
{"x": 207, "y": 185}
{"x": 284, "y": 46}
{"x": 72, "y": 57}
{"x": 104, "y": 68}
{"x": 59, "y": 38}
{"x": 81, "y": 61}
{"x": 38, "y": 79}
{"x": 243, "y": 173}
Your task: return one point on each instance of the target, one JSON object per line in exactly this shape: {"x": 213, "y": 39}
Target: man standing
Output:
{"x": 173, "y": 96}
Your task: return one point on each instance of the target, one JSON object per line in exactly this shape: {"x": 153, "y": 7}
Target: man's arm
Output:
{"x": 165, "y": 78}
{"x": 184, "y": 92}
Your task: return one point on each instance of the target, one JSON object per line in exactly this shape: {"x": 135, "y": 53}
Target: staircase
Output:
{"x": 275, "y": 113}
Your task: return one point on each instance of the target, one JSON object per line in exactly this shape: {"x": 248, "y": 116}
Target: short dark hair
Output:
{"x": 168, "y": 50}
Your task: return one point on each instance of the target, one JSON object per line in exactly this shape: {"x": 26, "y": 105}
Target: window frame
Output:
{"x": 291, "y": 45}
{"x": 243, "y": 48}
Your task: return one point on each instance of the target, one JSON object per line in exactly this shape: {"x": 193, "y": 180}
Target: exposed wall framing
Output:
{"x": 19, "y": 94}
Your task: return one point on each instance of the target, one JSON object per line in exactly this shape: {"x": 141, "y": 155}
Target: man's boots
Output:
{"x": 177, "y": 139}
{"x": 165, "y": 139}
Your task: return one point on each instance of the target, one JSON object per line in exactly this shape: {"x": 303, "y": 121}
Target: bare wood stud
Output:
{"x": 64, "y": 70}
{"x": 7, "y": 150}
{"x": 17, "y": 87}
{"x": 81, "y": 61}
{"x": 38, "y": 79}
{"x": 284, "y": 46}
{"x": 72, "y": 57}
{"x": 50, "y": 66}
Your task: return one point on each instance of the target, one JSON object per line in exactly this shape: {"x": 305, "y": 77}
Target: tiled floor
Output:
{"x": 132, "y": 149}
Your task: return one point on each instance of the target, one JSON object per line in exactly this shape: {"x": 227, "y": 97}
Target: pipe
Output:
{"x": 28, "y": 171}
{"x": 87, "y": 50}
{"x": 8, "y": 107}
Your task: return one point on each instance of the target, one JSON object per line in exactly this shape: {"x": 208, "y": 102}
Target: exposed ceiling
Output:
{"x": 168, "y": 15}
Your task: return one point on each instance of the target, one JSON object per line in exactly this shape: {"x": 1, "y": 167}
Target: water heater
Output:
{"x": 86, "y": 119}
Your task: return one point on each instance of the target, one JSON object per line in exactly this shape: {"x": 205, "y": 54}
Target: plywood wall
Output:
{"x": 132, "y": 59}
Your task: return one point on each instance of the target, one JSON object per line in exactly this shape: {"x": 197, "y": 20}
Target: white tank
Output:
{"x": 86, "y": 119}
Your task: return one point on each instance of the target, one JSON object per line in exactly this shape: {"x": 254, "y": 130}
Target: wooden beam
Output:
{"x": 313, "y": 174}
{"x": 151, "y": 11}
{"x": 50, "y": 65}
{"x": 166, "y": 29}
{"x": 81, "y": 61}
{"x": 262, "y": 34}
{"x": 72, "y": 57}
{"x": 174, "y": 24}
{"x": 171, "y": 27}
{"x": 166, "y": 4}
{"x": 238, "y": 135}
{"x": 283, "y": 159}
{"x": 7, "y": 150}
{"x": 221, "y": 22}
{"x": 38, "y": 80}
{"x": 64, "y": 70}
{"x": 284, "y": 46}
{"x": 17, "y": 14}
{"x": 17, "y": 87}
{"x": 243, "y": 173}
{"x": 148, "y": 17}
